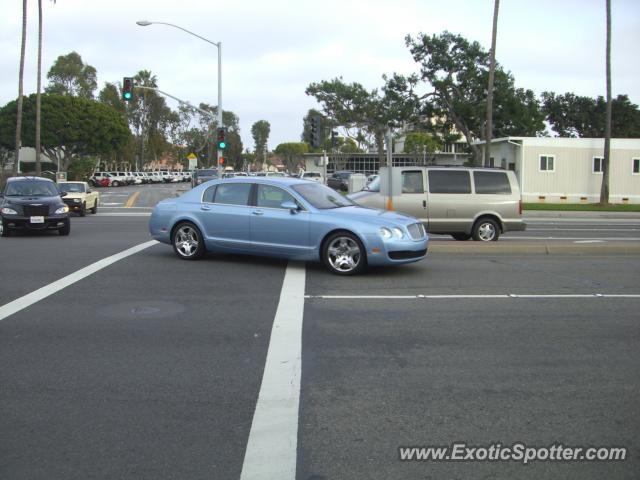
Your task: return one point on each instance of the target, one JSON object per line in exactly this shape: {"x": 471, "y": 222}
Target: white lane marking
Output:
{"x": 37, "y": 295}
{"x": 453, "y": 297}
{"x": 589, "y": 241}
{"x": 110, "y": 204}
{"x": 273, "y": 440}
{"x": 123, "y": 214}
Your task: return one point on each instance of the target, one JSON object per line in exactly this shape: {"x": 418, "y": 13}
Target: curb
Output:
{"x": 546, "y": 248}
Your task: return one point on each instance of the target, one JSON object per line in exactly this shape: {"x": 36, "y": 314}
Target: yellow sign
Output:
{"x": 192, "y": 156}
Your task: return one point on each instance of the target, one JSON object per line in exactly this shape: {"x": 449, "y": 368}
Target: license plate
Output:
{"x": 36, "y": 219}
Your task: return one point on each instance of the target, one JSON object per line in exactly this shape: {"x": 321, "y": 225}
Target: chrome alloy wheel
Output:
{"x": 487, "y": 231}
{"x": 186, "y": 241}
{"x": 344, "y": 254}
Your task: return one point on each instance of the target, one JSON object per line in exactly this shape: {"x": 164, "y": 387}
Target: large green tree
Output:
{"x": 572, "y": 115}
{"x": 456, "y": 74}
{"x": 292, "y": 154}
{"x": 69, "y": 75}
{"x": 352, "y": 105}
{"x": 260, "y": 131}
{"x": 75, "y": 127}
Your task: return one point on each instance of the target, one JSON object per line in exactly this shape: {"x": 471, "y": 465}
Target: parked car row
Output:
{"x": 119, "y": 179}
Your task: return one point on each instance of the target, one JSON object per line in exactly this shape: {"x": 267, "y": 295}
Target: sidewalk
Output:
{"x": 571, "y": 214}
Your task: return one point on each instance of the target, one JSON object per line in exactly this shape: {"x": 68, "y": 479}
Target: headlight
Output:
{"x": 64, "y": 209}
{"x": 397, "y": 232}
{"x": 9, "y": 211}
{"x": 385, "y": 232}
{"x": 76, "y": 200}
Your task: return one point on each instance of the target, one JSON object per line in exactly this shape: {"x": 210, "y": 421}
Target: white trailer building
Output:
{"x": 557, "y": 170}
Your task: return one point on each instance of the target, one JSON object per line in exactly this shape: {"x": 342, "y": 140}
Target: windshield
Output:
{"x": 31, "y": 189}
{"x": 374, "y": 186}
{"x": 71, "y": 187}
{"x": 321, "y": 196}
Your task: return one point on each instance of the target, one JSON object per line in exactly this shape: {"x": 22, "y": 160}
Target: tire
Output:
{"x": 486, "y": 230}
{"x": 64, "y": 231}
{"x": 4, "y": 231}
{"x": 115, "y": 183}
{"x": 461, "y": 236}
{"x": 83, "y": 209}
{"x": 187, "y": 241}
{"x": 94, "y": 210}
{"x": 344, "y": 254}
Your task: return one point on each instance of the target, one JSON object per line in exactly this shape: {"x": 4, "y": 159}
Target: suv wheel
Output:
{"x": 83, "y": 209}
{"x": 64, "y": 231}
{"x": 115, "y": 183}
{"x": 95, "y": 207}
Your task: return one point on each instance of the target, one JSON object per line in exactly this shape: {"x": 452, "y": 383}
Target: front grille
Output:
{"x": 406, "y": 254}
{"x": 416, "y": 231}
{"x": 36, "y": 210}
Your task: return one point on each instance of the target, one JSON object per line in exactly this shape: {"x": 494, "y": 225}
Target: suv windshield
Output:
{"x": 321, "y": 196}
{"x": 28, "y": 188}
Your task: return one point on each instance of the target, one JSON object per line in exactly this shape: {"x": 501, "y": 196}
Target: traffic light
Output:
{"x": 315, "y": 132}
{"x": 127, "y": 88}
{"x": 334, "y": 138}
{"x": 221, "y": 160}
{"x": 222, "y": 143}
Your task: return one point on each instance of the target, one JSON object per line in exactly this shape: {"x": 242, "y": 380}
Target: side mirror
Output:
{"x": 89, "y": 191}
{"x": 291, "y": 206}
{"x": 63, "y": 194}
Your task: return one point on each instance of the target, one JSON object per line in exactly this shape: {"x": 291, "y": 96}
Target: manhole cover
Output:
{"x": 147, "y": 309}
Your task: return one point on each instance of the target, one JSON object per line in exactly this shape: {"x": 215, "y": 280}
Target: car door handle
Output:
{"x": 205, "y": 207}
{"x": 257, "y": 212}
{"x": 424, "y": 203}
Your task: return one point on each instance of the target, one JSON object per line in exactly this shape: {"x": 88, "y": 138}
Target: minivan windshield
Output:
{"x": 374, "y": 186}
{"x": 321, "y": 196}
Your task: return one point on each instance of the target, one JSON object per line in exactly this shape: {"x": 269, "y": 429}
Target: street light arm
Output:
{"x": 204, "y": 112}
{"x": 144, "y": 23}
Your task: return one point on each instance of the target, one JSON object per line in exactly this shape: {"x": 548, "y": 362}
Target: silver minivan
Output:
{"x": 478, "y": 203}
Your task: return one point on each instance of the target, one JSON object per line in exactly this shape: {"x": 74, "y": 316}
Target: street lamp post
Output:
{"x": 145, "y": 23}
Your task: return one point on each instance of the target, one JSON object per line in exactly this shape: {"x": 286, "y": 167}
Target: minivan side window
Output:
{"x": 449, "y": 181}
{"x": 233, "y": 193}
{"x": 412, "y": 181}
{"x": 495, "y": 183}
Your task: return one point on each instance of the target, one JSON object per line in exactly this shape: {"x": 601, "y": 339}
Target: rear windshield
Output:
{"x": 208, "y": 173}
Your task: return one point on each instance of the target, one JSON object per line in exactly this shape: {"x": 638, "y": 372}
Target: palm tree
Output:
{"x": 604, "y": 190}
{"x": 16, "y": 163}
{"x": 38, "y": 94}
{"x": 492, "y": 68}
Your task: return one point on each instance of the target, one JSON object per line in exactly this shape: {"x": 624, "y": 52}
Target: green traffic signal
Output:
{"x": 221, "y": 138}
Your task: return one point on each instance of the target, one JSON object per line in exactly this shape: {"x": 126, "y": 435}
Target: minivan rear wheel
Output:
{"x": 486, "y": 230}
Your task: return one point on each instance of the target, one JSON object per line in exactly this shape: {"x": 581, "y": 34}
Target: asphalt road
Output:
{"x": 152, "y": 367}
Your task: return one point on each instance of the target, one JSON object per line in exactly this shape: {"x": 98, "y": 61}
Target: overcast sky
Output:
{"x": 272, "y": 50}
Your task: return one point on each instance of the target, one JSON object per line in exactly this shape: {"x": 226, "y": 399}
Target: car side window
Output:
{"x": 233, "y": 193}
{"x": 272, "y": 197}
{"x": 209, "y": 193}
{"x": 449, "y": 181}
{"x": 495, "y": 183}
{"x": 412, "y": 181}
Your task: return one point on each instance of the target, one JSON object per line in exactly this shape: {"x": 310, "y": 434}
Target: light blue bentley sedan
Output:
{"x": 289, "y": 218}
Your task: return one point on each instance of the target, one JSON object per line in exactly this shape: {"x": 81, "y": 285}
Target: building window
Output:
{"x": 597, "y": 164}
{"x": 636, "y": 166}
{"x": 547, "y": 163}
{"x": 491, "y": 162}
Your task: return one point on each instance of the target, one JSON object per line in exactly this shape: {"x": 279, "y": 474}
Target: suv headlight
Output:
{"x": 9, "y": 211}
{"x": 64, "y": 209}
{"x": 76, "y": 200}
